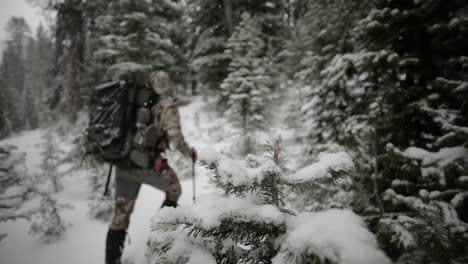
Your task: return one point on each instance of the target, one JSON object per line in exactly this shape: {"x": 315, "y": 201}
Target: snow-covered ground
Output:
{"x": 83, "y": 241}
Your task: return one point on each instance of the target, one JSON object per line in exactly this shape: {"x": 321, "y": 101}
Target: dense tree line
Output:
{"x": 25, "y": 73}
{"x": 390, "y": 88}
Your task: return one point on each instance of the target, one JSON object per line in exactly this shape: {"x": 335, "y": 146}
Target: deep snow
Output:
{"x": 83, "y": 241}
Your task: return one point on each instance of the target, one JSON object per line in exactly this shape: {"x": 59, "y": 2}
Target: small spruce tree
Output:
{"x": 51, "y": 160}
{"x": 21, "y": 197}
{"x": 246, "y": 90}
{"x": 47, "y": 223}
{"x": 145, "y": 32}
{"x": 251, "y": 224}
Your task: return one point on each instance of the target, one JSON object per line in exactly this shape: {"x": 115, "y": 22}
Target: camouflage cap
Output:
{"x": 161, "y": 83}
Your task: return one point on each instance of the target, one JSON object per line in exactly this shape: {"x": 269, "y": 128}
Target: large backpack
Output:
{"x": 113, "y": 111}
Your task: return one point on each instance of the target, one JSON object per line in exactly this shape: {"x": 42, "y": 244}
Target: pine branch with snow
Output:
{"x": 430, "y": 232}
{"x": 250, "y": 224}
{"x": 16, "y": 189}
{"x": 21, "y": 197}
{"x": 246, "y": 90}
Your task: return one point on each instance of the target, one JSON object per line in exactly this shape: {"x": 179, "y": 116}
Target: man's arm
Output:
{"x": 170, "y": 124}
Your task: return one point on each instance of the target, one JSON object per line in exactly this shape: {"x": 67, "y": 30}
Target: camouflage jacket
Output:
{"x": 166, "y": 118}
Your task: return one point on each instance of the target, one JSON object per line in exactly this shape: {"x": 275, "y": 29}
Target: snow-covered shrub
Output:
{"x": 47, "y": 224}
{"x": 424, "y": 210}
{"x": 142, "y": 32}
{"x": 51, "y": 159}
{"x": 16, "y": 187}
{"x": 21, "y": 197}
{"x": 250, "y": 224}
{"x": 430, "y": 233}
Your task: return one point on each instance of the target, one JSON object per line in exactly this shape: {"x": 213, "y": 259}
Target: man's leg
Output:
{"x": 165, "y": 180}
{"x": 126, "y": 194}
{"x": 174, "y": 189}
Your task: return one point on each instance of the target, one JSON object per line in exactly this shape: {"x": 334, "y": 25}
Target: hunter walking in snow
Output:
{"x": 159, "y": 123}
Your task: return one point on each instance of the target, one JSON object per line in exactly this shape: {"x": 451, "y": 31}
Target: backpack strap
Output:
{"x": 108, "y": 180}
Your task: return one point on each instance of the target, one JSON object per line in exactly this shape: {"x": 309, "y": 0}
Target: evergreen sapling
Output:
{"x": 47, "y": 223}
{"x": 250, "y": 223}
{"x": 246, "y": 91}
{"x": 51, "y": 161}
{"x": 21, "y": 197}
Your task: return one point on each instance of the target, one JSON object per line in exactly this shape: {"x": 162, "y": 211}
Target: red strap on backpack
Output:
{"x": 158, "y": 163}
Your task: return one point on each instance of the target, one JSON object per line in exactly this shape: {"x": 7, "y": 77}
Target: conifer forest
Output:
{"x": 326, "y": 131}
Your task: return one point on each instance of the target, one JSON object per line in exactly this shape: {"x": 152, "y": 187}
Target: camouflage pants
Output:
{"x": 128, "y": 182}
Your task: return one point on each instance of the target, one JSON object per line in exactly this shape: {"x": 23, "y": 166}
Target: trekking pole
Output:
{"x": 193, "y": 182}
{"x": 108, "y": 180}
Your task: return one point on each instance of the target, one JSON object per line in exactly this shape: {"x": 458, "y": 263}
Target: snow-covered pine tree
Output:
{"x": 30, "y": 113}
{"x": 70, "y": 42}
{"x": 7, "y": 113}
{"x": 12, "y": 75}
{"x": 42, "y": 73}
{"x": 207, "y": 59}
{"x": 51, "y": 155}
{"x": 404, "y": 123}
{"x": 250, "y": 223}
{"x": 144, "y": 32}
{"x": 323, "y": 94}
{"x": 247, "y": 89}
{"x": 26, "y": 77}
{"x": 15, "y": 188}
{"x": 324, "y": 31}
{"x": 214, "y": 22}
{"x": 47, "y": 223}
{"x": 420, "y": 144}
{"x": 22, "y": 196}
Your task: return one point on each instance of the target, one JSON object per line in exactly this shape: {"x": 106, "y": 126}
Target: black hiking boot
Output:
{"x": 169, "y": 203}
{"x": 114, "y": 245}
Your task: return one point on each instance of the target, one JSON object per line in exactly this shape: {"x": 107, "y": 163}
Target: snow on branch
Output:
{"x": 212, "y": 210}
{"x": 177, "y": 246}
{"x": 430, "y": 220}
{"x": 442, "y": 158}
{"x": 255, "y": 170}
{"x": 336, "y": 235}
{"x": 329, "y": 169}
{"x": 251, "y": 226}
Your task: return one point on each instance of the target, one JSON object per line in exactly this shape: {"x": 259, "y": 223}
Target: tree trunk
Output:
{"x": 71, "y": 27}
{"x": 376, "y": 174}
{"x": 59, "y": 39}
{"x": 75, "y": 76}
{"x": 228, "y": 15}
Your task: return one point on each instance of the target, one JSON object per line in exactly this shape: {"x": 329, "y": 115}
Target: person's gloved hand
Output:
{"x": 193, "y": 155}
